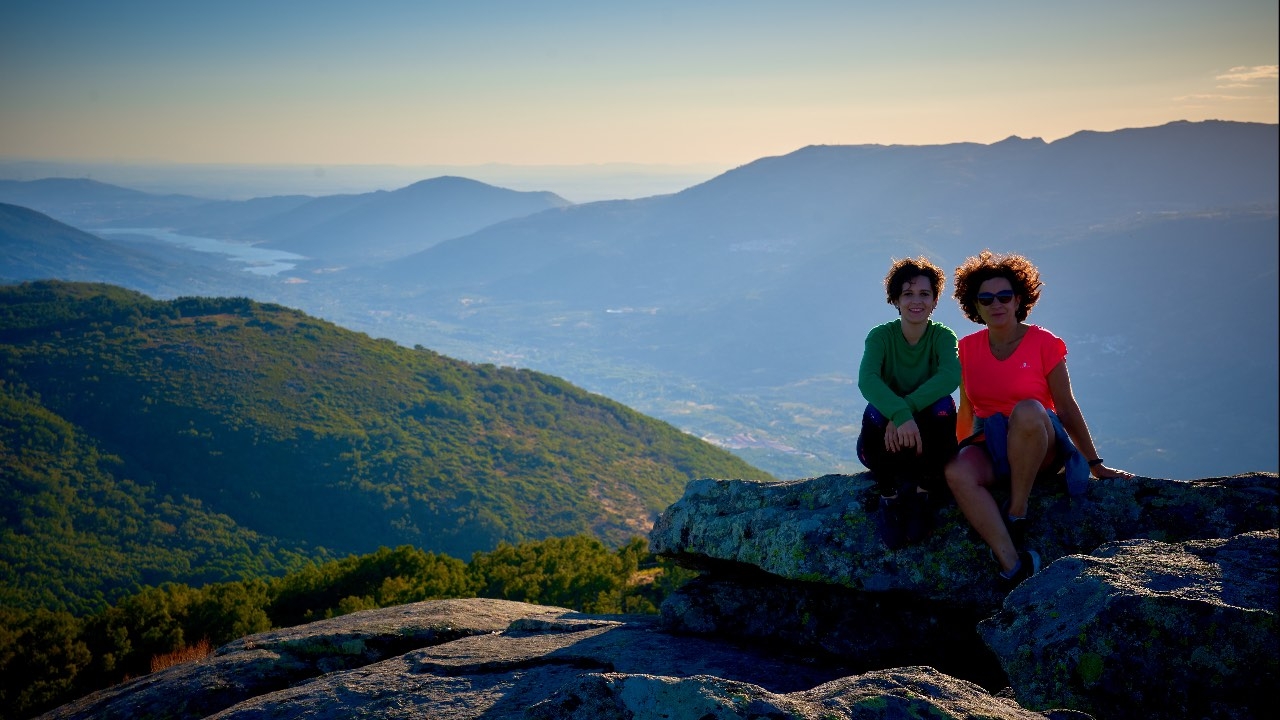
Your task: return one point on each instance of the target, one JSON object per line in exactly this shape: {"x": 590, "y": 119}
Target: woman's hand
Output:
{"x": 1102, "y": 471}
{"x": 891, "y": 437}
{"x": 909, "y": 436}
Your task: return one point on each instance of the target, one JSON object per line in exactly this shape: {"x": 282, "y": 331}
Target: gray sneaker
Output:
{"x": 1028, "y": 565}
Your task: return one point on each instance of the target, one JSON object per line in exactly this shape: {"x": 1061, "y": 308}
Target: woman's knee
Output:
{"x": 1028, "y": 411}
{"x": 966, "y": 470}
{"x": 1029, "y": 416}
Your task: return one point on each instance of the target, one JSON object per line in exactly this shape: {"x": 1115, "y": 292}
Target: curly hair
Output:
{"x": 904, "y": 270}
{"x": 1019, "y": 271}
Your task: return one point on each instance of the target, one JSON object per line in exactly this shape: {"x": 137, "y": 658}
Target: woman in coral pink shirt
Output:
{"x": 1018, "y": 416}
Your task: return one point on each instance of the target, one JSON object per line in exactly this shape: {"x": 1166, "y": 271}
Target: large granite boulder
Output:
{"x": 822, "y": 529}
{"x": 469, "y": 659}
{"x": 1173, "y": 615}
{"x": 1148, "y": 629}
{"x": 268, "y": 662}
{"x": 865, "y": 631}
{"x": 900, "y": 694}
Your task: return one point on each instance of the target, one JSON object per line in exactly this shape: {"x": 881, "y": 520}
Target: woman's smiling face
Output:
{"x": 916, "y": 301}
{"x": 998, "y": 313}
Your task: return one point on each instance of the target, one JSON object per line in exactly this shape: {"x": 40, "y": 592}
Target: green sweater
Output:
{"x": 900, "y": 380}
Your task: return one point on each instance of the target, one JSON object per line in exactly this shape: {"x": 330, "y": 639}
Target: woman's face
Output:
{"x": 1003, "y": 309}
{"x": 917, "y": 300}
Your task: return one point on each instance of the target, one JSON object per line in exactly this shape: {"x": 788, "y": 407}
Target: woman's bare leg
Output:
{"x": 1032, "y": 448}
{"x": 969, "y": 475}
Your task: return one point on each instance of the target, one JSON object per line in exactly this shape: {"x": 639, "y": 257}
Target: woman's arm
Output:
{"x": 964, "y": 416}
{"x": 1068, "y": 410}
{"x": 872, "y": 384}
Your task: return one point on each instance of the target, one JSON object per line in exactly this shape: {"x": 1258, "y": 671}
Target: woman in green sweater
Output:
{"x": 909, "y": 370}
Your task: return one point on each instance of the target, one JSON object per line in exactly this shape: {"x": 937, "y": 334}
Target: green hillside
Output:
{"x": 252, "y": 428}
{"x": 75, "y": 534}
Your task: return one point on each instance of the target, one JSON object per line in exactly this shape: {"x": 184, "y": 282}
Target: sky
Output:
{"x": 580, "y": 83}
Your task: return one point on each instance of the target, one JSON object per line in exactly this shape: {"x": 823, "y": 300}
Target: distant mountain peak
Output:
{"x": 447, "y": 181}
{"x": 1015, "y": 140}
{"x": 453, "y": 186}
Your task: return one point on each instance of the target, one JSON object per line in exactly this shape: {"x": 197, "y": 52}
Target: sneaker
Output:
{"x": 919, "y": 515}
{"x": 1017, "y": 527}
{"x": 1017, "y": 531}
{"x": 889, "y": 521}
{"x": 1028, "y": 565}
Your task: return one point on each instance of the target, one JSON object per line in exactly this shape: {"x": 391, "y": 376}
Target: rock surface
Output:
{"x": 822, "y": 530}
{"x": 901, "y": 694}
{"x": 1147, "y": 629}
{"x": 498, "y": 659}
{"x": 1173, "y": 615}
{"x": 867, "y": 631}
{"x": 267, "y": 662}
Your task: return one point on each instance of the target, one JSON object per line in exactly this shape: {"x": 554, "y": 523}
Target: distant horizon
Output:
{"x": 588, "y": 182}
{"x": 578, "y": 183}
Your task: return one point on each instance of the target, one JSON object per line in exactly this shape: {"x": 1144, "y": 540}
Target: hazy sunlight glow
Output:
{"x": 496, "y": 81}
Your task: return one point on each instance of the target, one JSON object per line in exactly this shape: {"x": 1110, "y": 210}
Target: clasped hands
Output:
{"x": 900, "y": 438}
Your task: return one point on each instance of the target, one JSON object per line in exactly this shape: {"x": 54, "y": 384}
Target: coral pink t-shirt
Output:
{"x": 995, "y": 386}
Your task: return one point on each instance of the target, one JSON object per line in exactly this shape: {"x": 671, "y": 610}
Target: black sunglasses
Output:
{"x": 1004, "y": 296}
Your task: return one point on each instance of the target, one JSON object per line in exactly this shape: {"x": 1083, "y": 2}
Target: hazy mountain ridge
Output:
{"x": 225, "y": 218}
{"x": 818, "y": 200}
{"x": 86, "y": 203}
{"x": 358, "y": 228}
{"x": 392, "y": 224}
{"x": 229, "y": 181}
{"x": 310, "y": 435}
{"x": 35, "y": 246}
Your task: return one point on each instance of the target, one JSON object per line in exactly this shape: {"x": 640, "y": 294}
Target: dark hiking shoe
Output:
{"x": 918, "y": 516}
{"x": 889, "y": 521}
{"x": 1017, "y": 527}
{"x": 1017, "y": 531}
{"x": 1028, "y": 565}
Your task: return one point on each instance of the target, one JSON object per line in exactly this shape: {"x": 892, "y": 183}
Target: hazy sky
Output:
{"x": 560, "y": 82}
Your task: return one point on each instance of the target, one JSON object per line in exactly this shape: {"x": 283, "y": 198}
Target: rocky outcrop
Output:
{"x": 900, "y": 694}
{"x": 822, "y": 530}
{"x": 1147, "y": 629}
{"x": 262, "y": 664}
{"x": 498, "y": 659}
{"x": 866, "y": 631}
{"x": 1159, "y": 598}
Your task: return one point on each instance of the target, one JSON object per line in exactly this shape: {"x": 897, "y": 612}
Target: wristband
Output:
{"x": 1095, "y": 463}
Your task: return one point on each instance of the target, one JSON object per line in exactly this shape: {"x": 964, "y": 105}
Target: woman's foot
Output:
{"x": 1017, "y": 526}
{"x": 919, "y": 514}
{"x": 1028, "y": 565}
{"x": 890, "y": 521}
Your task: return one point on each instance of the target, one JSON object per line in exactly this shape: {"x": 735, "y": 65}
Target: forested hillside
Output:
{"x": 224, "y": 428}
{"x": 74, "y": 533}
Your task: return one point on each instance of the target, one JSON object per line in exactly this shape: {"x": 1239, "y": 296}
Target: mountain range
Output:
{"x": 356, "y": 228}
{"x": 736, "y": 308}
